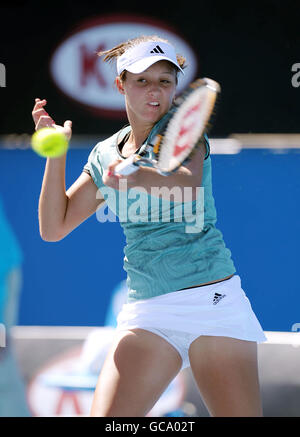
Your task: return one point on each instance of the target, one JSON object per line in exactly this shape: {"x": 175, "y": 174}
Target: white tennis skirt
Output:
{"x": 220, "y": 309}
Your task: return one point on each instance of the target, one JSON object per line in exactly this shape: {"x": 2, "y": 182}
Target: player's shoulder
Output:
{"x": 111, "y": 141}
{"x": 104, "y": 146}
{"x": 106, "y": 142}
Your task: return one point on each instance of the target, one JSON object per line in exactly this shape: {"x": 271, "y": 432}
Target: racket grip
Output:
{"x": 127, "y": 167}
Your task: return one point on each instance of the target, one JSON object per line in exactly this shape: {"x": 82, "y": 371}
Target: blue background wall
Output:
{"x": 70, "y": 282}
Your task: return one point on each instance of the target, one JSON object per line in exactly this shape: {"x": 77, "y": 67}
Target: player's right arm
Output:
{"x": 61, "y": 211}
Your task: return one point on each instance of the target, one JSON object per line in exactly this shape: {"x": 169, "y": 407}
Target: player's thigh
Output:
{"x": 138, "y": 368}
{"x": 226, "y": 373}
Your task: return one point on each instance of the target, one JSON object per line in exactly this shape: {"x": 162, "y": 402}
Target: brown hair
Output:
{"x": 112, "y": 54}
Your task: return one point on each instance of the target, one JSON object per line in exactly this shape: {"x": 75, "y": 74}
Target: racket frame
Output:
{"x": 161, "y": 138}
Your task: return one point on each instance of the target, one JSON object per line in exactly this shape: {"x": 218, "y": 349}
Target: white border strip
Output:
{"x": 268, "y": 141}
{"x": 51, "y": 332}
{"x": 81, "y": 332}
{"x": 232, "y": 144}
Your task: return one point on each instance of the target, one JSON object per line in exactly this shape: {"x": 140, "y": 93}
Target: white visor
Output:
{"x": 142, "y": 56}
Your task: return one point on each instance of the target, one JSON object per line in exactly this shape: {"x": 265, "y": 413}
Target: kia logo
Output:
{"x": 82, "y": 76}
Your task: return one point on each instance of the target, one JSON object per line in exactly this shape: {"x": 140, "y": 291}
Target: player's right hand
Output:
{"x": 42, "y": 119}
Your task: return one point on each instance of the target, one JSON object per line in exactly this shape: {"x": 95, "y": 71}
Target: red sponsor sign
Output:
{"x": 82, "y": 76}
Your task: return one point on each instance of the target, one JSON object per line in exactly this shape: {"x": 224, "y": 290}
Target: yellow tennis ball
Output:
{"x": 49, "y": 142}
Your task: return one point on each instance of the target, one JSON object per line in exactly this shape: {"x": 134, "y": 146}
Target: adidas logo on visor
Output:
{"x": 157, "y": 49}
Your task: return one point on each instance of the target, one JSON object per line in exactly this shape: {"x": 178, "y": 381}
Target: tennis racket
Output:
{"x": 177, "y": 133}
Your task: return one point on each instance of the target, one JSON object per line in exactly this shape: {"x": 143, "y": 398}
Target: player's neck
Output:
{"x": 138, "y": 135}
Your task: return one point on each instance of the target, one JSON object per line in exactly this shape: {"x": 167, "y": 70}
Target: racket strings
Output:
{"x": 197, "y": 102}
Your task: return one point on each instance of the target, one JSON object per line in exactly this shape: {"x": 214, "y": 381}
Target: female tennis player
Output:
{"x": 185, "y": 306}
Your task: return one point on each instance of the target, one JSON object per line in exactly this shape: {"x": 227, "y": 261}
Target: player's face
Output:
{"x": 149, "y": 95}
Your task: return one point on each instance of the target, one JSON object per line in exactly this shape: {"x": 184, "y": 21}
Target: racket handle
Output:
{"x": 127, "y": 167}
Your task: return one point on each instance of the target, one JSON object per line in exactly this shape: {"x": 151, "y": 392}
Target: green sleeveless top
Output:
{"x": 169, "y": 245}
